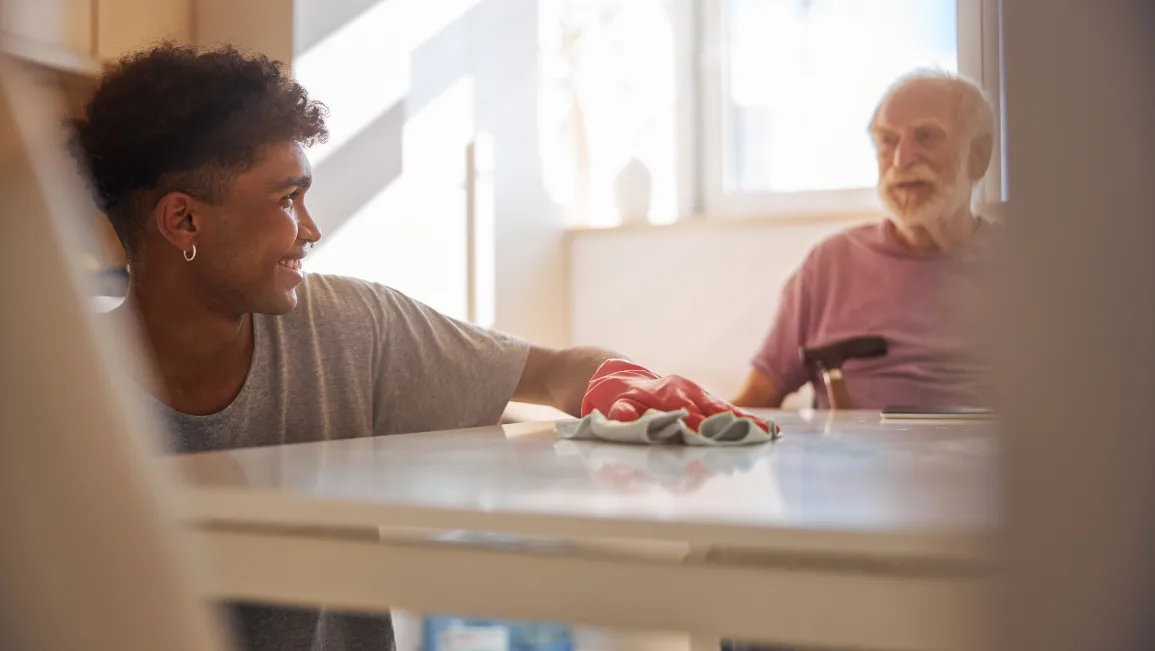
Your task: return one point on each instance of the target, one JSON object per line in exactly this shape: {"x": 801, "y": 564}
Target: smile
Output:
{"x": 291, "y": 263}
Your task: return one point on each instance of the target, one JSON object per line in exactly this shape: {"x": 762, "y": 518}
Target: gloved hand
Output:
{"x": 623, "y": 391}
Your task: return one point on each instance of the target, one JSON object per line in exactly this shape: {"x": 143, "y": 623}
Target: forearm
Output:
{"x": 571, "y": 378}
{"x": 759, "y": 392}
{"x": 559, "y": 378}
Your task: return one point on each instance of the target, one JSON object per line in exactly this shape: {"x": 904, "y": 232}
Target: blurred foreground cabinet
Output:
{"x": 69, "y": 41}
{"x": 67, "y": 90}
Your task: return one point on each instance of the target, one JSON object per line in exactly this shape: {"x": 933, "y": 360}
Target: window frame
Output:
{"x": 699, "y": 35}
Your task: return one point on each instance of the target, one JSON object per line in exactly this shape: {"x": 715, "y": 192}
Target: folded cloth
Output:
{"x": 655, "y": 426}
{"x": 628, "y": 403}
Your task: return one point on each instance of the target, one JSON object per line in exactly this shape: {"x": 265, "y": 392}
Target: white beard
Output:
{"x": 947, "y": 199}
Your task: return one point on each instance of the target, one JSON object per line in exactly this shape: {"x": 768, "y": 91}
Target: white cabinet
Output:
{"x": 78, "y": 35}
{"x": 57, "y": 33}
{"x": 56, "y": 23}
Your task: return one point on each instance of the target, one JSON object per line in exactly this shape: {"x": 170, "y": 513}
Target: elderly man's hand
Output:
{"x": 623, "y": 391}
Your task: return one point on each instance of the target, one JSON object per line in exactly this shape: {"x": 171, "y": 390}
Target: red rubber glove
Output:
{"x": 623, "y": 391}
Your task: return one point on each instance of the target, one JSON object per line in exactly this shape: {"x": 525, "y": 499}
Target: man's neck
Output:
{"x": 202, "y": 356}
{"x": 940, "y": 236}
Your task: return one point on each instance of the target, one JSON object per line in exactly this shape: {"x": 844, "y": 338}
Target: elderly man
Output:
{"x": 915, "y": 279}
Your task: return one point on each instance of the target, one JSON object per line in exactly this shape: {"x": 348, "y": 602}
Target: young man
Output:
{"x": 917, "y": 279}
{"x": 198, "y": 160}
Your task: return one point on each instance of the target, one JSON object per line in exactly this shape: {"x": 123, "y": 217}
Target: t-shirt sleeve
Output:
{"x": 779, "y": 358}
{"x": 434, "y": 372}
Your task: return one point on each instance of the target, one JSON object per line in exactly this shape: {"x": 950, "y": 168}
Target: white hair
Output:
{"x": 974, "y": 111}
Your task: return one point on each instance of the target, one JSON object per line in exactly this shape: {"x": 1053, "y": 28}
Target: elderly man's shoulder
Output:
{"x": 870, "y": 235}
{"x": 848, "y": 249}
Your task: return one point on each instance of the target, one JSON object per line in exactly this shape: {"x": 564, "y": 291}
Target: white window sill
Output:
{"x": 993, "y": 211}
{"x": 718, "y": 222}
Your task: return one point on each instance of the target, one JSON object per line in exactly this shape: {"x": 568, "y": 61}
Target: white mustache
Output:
{"x": 919, "y": 173}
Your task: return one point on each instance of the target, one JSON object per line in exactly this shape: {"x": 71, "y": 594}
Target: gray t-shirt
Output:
{"x": 353, "y": 359}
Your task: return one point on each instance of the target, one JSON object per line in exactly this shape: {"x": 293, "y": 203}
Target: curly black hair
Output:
{"x": 175, "y": 118}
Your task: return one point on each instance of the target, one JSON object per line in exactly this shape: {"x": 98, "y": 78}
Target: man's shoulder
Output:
{"x": 337, "y": 299}
{"x": 339, "y": 302}
{"x": 329, "y": 284}
{"x": 835, "y": 248}
{"x": 327, "y": 289}
{"x": 857, "y": 234}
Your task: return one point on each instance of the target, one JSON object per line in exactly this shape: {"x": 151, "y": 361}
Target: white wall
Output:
{"x": 409, "y": 84}
{"x": 530, "y": 280}
{"x": 694, "y": 299}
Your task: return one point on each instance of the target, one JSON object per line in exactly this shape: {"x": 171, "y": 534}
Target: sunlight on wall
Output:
{"x": 412, "y": 235}
{"x": 379, "y": 41}
{"x": 484, "y": 233}
{"x": 607, "y": 97}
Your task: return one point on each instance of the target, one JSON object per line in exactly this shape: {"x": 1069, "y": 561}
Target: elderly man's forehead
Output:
{"x": 921, "y": 101}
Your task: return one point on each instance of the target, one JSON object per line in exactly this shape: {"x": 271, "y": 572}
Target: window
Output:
{"x": 607, "y": 109}
{"x": 738, "y": 107}
{"x": 788, "y": 86}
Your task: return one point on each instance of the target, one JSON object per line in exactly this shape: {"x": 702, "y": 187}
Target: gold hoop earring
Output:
{"x": 188, "y": 257}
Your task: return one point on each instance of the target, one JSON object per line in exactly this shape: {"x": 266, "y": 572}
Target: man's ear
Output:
{"x": 979, "y": 159}
{"x": 177, "y": 220}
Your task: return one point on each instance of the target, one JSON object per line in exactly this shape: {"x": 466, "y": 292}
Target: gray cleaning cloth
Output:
{"x": 660, "y": 427}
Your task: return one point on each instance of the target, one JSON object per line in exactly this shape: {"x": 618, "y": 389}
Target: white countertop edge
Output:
{"x": 248, "y": 507}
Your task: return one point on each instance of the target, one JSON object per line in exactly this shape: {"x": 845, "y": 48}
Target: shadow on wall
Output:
{"x": 352, "y": 175}
{"x": 410, "y": 85}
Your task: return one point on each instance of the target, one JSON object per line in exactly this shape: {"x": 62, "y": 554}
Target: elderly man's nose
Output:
{"x": 904, "y": 154}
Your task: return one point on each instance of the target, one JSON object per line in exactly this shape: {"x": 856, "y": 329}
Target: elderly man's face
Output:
{"x": 922, "y": 154}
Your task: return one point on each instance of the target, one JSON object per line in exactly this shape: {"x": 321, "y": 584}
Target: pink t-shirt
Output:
{"x": 930, "y": 309}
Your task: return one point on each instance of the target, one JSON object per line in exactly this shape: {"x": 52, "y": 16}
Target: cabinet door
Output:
{"x": 50, "y": 27}
{"x": 126, "y": 25}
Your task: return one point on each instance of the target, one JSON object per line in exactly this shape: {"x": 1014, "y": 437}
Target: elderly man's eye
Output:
{"x": 926, "y": 136}
{"x": 885, "y": 140}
